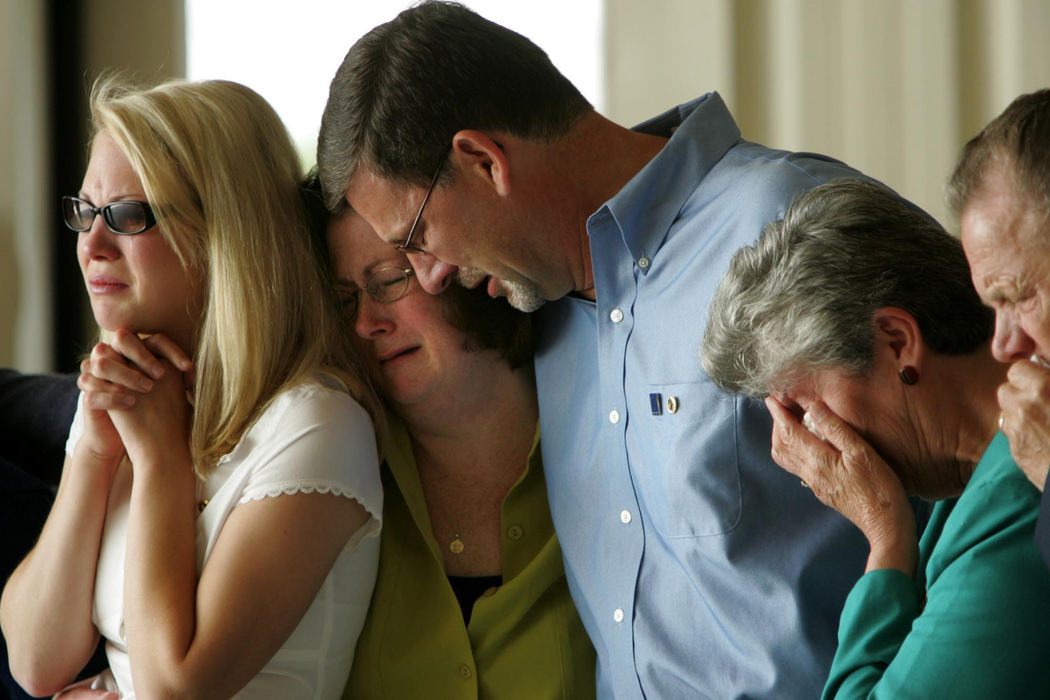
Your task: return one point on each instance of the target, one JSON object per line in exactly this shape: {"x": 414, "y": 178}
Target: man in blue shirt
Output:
{"x": 699, "y": 567}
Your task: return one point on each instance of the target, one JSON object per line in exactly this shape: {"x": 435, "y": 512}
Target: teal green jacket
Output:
{"x": 976, "y": 622}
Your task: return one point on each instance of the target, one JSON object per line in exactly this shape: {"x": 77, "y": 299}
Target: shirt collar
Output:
{"x": 700, "y": 132}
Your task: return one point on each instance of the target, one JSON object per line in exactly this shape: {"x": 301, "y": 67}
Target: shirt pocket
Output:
{"x": 686, "y": 462}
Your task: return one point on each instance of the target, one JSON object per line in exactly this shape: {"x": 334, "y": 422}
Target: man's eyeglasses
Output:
{"x": 124, "y": 218}
{"x": 385, "y": 285}
{"x": 407, "y": 246}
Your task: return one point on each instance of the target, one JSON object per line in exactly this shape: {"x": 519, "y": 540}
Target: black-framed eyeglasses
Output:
{"x": 407, "y": 246}
{"x": 385, "y": 285}
{"x": 124, "y": 218}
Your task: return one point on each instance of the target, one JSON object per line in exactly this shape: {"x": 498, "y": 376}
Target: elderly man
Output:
{"x": 699, "y": 568}
{"x": 1000, "y": 192}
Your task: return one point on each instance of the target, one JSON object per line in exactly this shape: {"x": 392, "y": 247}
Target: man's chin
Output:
{"x": 523, "y": 297}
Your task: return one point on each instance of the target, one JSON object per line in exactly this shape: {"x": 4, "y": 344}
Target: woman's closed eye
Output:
{"x": 349, "y": 300}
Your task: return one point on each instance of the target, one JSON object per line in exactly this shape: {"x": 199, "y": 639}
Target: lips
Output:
{"x": 395, "y": 354}
{"x": 100, "y": 284}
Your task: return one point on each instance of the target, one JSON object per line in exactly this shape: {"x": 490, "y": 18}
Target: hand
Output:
{"x": 127, "y": 366}
{"x": 137, "y": 384}
{"x": 847, "y": 474}
{"x": 157, "y": 427}
{"x": 1024, "y": 400}
{"x": 82, "y": 690}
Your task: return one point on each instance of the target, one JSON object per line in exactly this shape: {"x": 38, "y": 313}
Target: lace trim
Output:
{"x": 292, "y": 489}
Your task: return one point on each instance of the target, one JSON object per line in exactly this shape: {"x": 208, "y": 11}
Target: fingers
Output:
{"x": 102, "y": 395}
{"x": 136, "y": 363}
{"x": 107, "y": 364}
{"x": 1024, "y": 400}
{"x": 134, "y": 350}
{"x": 86, "y": 693}
{"x": 794, "y": 447}
{"x": 164, "y": 347}
{"x": 1026, "y": 371}
{"x": 836, "y": 431}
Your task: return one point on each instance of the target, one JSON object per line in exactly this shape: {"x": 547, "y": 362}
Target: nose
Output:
{"x": 433, "y": 275}
{"x": 1010, "y": 342}
{"x": 98, "y": 243}
{"x": 373, "y": 318}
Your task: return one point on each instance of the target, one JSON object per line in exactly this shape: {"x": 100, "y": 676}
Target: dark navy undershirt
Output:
{"x": 469, "y": 588}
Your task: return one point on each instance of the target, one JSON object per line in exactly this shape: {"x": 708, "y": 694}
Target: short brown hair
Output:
{"x": 407, "y": 86}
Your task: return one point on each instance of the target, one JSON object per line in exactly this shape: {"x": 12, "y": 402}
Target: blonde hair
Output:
{"x": 221, "y": 174}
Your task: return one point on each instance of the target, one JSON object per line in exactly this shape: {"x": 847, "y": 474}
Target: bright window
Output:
{"x": 289, "y": 51}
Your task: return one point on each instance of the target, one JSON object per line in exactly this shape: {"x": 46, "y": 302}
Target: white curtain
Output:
{"x": 893, "y": 87}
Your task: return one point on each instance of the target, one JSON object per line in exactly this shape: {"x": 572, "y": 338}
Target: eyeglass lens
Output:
{"x": 388, "y": 284}
{"x": 125, "y": 217}
{"x": 385, "y": 286}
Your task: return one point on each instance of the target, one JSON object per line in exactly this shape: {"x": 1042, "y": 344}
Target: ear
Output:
{"x": 897, "y": 332}
{"x": 476, "y": 154}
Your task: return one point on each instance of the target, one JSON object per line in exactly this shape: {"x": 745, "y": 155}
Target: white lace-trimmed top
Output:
{"x": 312, "y": 438}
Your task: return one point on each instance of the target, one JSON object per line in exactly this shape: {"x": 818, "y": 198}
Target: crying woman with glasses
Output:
{"x": 471, "y": 598}
{"x": 217, "y": 520}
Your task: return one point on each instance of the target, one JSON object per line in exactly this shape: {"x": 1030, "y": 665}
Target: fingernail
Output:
{"x": 127, "y": 399}
{"x": 157, "y": 371}
{"x": 145, "y": 384}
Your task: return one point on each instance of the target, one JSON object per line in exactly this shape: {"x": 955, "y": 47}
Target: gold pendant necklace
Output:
{"x": 456, "y": 545}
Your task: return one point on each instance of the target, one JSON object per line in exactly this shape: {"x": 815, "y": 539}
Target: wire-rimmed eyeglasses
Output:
{"x": 407, "y": 246}
{"x": 385, "y": 285}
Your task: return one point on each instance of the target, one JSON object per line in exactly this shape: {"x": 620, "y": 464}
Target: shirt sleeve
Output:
{"x": 982, "y": 630}
{"x": 315, "y": 440}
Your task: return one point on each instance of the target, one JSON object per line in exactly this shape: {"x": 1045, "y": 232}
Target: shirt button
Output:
{"x": 617, "y": 615}
{"x": 614, "y": 416}
{"x": 515, "y": 532}
{"x": 625, "y": 516}
{"x": 643, "y": 263}
{"x": 616, "y": 315}
{"x": 464, "y": 672}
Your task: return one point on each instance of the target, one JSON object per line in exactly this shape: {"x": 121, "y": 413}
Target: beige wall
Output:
{"x": 893, "y": 87}
{"x": 24, "y": 296}
{"x": 147, "y": 39}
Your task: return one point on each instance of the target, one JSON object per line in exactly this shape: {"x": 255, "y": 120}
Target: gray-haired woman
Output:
{"x": 855, "y": 317}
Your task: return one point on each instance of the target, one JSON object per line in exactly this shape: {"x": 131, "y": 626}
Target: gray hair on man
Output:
{"x": 1016, "y": 144}
{"x": 802, "y": 297}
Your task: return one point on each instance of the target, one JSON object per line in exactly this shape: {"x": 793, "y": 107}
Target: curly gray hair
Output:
{"x": 802, "y": 297}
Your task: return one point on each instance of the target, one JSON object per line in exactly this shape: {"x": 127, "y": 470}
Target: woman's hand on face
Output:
{"x": 846, "y": 473}
{"x": 1025, "y": 404}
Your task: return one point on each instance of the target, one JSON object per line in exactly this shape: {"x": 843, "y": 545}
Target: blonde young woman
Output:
{"x": 218, "y": 514}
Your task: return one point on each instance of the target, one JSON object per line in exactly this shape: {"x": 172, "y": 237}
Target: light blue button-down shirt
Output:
{"x": 699, "y": 567}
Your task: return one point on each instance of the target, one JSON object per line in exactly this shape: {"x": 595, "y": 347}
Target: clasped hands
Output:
{"x": 138, "y": 392}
